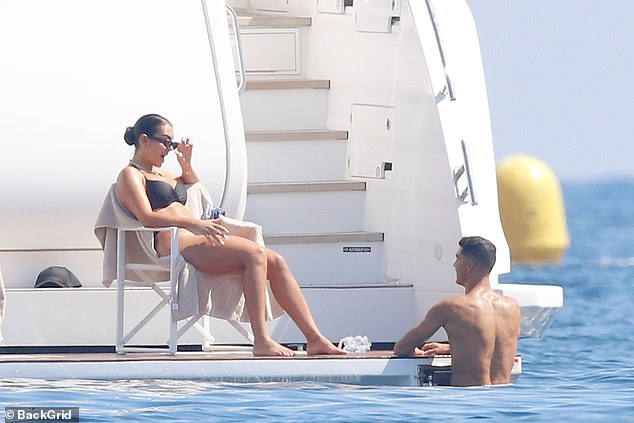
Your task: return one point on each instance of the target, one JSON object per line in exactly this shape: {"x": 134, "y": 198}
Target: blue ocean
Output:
{"x": 582, "y": 370}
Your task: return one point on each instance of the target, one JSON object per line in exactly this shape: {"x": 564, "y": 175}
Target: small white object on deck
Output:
{"x": 355, "y": 344}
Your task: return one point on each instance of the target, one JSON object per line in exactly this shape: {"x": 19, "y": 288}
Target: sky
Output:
{"x": 560, "y": 81}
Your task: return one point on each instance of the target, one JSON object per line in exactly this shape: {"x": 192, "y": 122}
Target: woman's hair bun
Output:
{"x": 129, "y": 136}
{"x": 147, "y": 124}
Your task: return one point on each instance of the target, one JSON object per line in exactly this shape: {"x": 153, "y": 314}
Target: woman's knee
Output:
{"x": 258, "y": 256}
{"x": 276, "y": 263}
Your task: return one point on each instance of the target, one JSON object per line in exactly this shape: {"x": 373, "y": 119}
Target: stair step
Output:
{"x": 273, "y": 21}
{"x": 332, "y": 258}
{"x": 297, "y": 156}
{"x": 286, "y": 84}
{"x": 297, "y": 135}
{"x": 380, "y": 285}
{"x": 282, "y": 105}
{"x": 321, "y": 186}
{"x": 309, "y": 212}
{"x": 273, "y": 239}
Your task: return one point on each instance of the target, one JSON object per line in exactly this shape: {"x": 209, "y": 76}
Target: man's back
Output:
{"x": 482, "y": 325}
{"x": 507, "y": 323}
{"x": 483, "y": 328}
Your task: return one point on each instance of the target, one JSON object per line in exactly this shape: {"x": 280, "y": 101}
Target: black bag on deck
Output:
{"x": 57, "y": 277}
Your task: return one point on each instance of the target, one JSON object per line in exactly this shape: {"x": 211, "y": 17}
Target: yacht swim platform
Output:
{"x": 236, "y": 366}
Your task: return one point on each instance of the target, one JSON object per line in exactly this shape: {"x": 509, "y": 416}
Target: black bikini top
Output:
{"x": 161, "y": 194}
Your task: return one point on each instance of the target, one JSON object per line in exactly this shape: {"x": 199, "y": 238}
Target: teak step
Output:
{"x": 323, "y": 238}
{"x": 273, "y": 21}
{"x": 349, "y": 286}
{"x": 321, "y": 186}
{"x": 293, "y": 135}
{"x": 286, "y": 84}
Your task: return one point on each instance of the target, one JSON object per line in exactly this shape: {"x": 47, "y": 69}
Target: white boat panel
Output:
{"x": 293, "y": 110}
{"x": 312, "y": 212}
{"x": 335, "y": 262}
{"x": 308, "y": 160}
{"x": 370, "y": 262}
{"x": 371, "y": 140}
{"x": 79, "y": 316}
{"x": 373, "y": 369}
{"x": 376, "y": 15}
{"x": 21, "y": 267}
{"x": 256, "y": 46}
{"x": 95, "y": 76}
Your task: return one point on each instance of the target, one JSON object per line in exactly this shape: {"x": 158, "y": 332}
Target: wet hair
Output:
{"x": 146, "y": 124}
{"x": 480, "y": 250}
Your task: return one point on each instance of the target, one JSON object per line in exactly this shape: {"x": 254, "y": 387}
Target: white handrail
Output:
{"x": 441, "y": 49}
{"x": 221, "y": 103}
{"x": 236, "y": 31}
{"x": 467, "y": 164}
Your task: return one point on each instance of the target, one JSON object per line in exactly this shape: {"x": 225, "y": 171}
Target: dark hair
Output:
{"x": 146, "y": 124}
{"x": 480, "y": 250}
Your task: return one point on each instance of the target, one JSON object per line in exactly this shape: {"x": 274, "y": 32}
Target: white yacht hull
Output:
{"x": 361, "y": 144}
{"x": 368, "y": 369}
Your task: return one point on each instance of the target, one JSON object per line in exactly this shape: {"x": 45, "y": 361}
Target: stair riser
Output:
{"x": 283, "y": 161}
{"x": 20, "y": 269}
{"x": 382, "y": 314}
{"x": 328, "y": 264}
{"x": 284, "y": 109}
{"x": 312, "y": 212}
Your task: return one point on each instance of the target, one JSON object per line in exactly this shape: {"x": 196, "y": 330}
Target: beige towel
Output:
{"x": 217, "y": 296}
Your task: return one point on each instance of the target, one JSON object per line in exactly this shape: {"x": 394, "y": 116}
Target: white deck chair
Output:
{"x": 166, "y": 290}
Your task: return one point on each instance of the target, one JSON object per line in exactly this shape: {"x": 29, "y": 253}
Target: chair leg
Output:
{"x": 120, "y": 313}
{"x": 120, "y": 289}
{"x": 205, "y": 330}
{"x": 122, "y": 338}
{"x": 173, "y": 341}
{"x": 172, "y": 304}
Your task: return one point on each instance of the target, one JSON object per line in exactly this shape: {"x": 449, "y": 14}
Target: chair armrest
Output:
{"x": 146, "y": 229}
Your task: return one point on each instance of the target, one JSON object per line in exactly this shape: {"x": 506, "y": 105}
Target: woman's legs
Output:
{"x": 256, "y": 264}
{"x": 238, "y": 255}
{"x": 289, "y": 295}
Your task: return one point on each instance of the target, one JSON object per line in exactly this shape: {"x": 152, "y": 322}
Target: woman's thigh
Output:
{"x": 232, "y": 257}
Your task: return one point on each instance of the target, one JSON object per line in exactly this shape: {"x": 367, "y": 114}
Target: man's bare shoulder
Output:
{"x": 506, "y": 302}
{"x": 453, "y": 305}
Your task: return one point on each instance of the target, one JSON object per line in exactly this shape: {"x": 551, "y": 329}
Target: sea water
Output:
{"x": 582, "y": 370}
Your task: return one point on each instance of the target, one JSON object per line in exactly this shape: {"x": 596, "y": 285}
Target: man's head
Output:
{"x": 475, "y": 257}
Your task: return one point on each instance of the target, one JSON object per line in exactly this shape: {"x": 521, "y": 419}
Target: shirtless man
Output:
{"x": 483, "y": 325}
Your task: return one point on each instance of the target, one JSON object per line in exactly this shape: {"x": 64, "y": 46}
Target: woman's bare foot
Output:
{"x": 270, "y": 348}
{"x": 322, "y": 346}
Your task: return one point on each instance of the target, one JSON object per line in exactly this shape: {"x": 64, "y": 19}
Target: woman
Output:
{"x": 147, "y": 191}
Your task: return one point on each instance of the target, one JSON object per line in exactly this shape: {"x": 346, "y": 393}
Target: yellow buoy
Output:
{"x": 532, "y": 210}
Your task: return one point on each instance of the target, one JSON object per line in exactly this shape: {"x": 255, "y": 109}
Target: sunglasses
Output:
{"x": 167, "y": 143}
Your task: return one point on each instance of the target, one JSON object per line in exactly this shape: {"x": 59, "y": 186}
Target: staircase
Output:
{"x": 297, "y": 188}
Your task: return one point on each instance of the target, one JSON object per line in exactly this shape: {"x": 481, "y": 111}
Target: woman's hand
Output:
{"x": 184, "y": 151}
{"x": 184, "y": 155}
{"x": 212, "y": 229}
